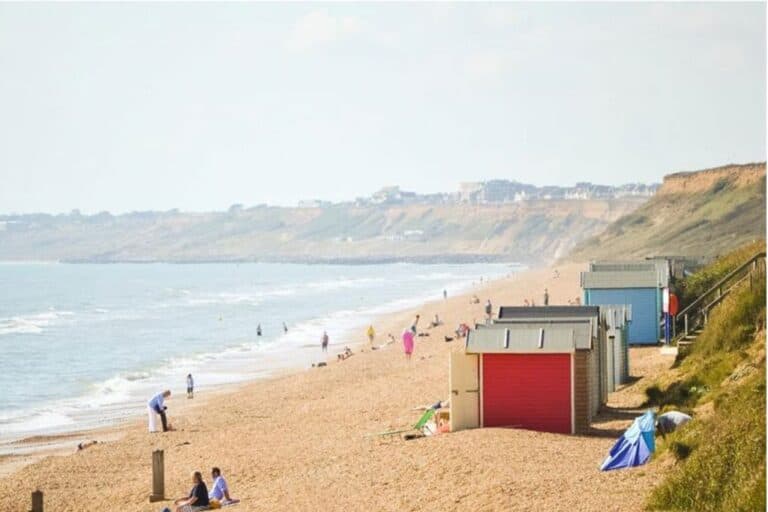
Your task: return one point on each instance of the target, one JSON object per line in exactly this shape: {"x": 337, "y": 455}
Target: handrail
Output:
{"x": 702, "y": 311}
{"x": 725, "y": 293}
{"x": 720, "y": 283}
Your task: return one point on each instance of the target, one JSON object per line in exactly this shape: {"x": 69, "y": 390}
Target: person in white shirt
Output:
{"x": 220, "y": 489}
{"x": 157, "y": 406}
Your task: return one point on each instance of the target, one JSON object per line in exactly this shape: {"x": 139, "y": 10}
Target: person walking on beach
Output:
{"x": 408, "y": 343}
{"x": 157, "y": 406}
{"x": 546, "y": 297}
{"x": 488, "y": 311}
{"x": 445, "y": 294}
{"x": 258, "y": 330}
{"x": 324, "y": 342}
{"x": 415, "y": 324}
{"x": 190, "y": 386}
{"x": 371, "y": 333}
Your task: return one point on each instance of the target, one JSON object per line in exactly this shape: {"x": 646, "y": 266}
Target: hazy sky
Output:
{"x": 197, "y": 106}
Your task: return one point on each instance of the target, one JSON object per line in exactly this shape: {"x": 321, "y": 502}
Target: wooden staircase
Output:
{"x": 690, "y": 322}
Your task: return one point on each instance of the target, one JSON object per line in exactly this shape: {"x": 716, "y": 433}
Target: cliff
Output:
{"x": 697, "y": 214}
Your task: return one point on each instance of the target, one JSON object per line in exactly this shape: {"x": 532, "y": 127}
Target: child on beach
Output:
{"x": 408, "y": 343}
{"x": 190, "y": 386}
{"x": 198, "y": 496}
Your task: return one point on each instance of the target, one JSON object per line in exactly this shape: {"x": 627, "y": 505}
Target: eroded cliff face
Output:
{"x": 525, "y": 231}
{"x": 697, "y": 214}
{"x": 704, "y": 180}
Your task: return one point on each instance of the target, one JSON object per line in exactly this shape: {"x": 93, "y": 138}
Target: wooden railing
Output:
{"x": 695, "y": 314}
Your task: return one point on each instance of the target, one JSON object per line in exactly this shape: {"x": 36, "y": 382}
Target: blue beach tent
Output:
{"x": 635, "y": 446}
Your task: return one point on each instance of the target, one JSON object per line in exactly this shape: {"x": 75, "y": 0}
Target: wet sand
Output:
{"x": 299, "y": 441}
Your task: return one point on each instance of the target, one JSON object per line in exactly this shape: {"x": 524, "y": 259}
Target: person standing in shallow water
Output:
{"x": 190, "y": 386}
{"x": 324, "y": 342}
{"x": 258, "y": 330}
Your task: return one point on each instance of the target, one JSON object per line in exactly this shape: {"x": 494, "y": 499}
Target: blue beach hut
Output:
{"x": 636, "y": 285}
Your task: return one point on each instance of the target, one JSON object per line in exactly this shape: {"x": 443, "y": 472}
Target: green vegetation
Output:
{"x": 693, "y": 286}
{"x": 720, "y": 456}
{"x": 688, "y": 218}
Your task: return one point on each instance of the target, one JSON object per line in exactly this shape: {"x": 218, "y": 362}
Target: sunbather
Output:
{"x": 198, "y": 496}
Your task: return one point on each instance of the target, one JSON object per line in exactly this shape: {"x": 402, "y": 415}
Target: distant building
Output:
{"x": 314, "y": 203}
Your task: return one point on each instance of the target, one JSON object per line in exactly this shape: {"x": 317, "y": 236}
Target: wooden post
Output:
{"x": 158, "y": 477}
{"x": 37, "y": 501}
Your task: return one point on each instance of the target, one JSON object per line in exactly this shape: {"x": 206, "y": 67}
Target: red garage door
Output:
{"x": 531, "y": 391}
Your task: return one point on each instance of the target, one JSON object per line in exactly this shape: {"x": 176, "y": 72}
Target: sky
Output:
{"x": 197, "y": 106}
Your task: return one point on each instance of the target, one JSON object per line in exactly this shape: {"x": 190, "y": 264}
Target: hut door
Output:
{"x": 465, "y": 391}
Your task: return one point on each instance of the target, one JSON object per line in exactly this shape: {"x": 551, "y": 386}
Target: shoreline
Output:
{"x": 274, "y": 438}
{"x": 20, "y": 452}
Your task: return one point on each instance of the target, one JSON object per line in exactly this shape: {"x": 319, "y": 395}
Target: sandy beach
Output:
{"x": 299, "y": 441}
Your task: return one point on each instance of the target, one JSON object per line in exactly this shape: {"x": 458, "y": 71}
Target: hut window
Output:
{"x": 506, "y": 338}
{"x": 541, "y": 338}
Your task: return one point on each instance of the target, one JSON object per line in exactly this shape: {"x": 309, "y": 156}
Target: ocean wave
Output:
{"x": 31, "y": 324}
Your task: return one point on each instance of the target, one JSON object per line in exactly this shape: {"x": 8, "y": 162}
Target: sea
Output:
{"x": 86, "y": 345}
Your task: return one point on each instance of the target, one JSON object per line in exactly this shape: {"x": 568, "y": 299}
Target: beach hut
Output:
{"x": 616, "y": 319}
{"x": 516, "y": 314}
{"x": 638, "y": 285}
{"x": 531, "y": 373}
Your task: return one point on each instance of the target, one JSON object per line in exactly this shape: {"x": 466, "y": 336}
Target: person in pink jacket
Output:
{"x": 408, "y": 343}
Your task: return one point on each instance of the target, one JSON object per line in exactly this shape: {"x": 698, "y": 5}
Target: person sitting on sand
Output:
{"x": 157, "y": 406}
{"x": 345, "y": 355}
{"x": 475, "y": 300}
{"x": 85, "y": 444}
{"x": 198, "y": 496}
{"x": 220, "y": 489}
